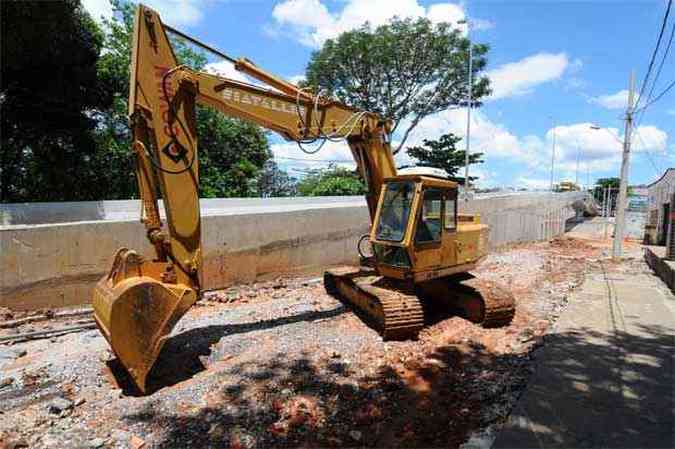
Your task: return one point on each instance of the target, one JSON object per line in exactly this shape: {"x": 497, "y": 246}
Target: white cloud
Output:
{"x": 650, "y": 138}
{"x": 486, "y": 135}
{"x": 482, "y": 24}
{"x": 598, "y": 150}
{"x": 444, "y": 12}
{"x": 98, "y": 9}
{"x": 311, "y": 23}
{"x": 331, "y": 151}
{"x": 296, "y": 79}
{"x": 185, "y": 13}
{"x": 533, "y": 183}
{"x": 484, "y": 176}
{"x": 519, "y": 78}
{"x": 226, "y": 69}
{"x": 618, "y": 100}
{"x": 178, "y": 13}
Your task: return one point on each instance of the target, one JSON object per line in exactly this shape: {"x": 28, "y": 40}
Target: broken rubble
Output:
{"x": 355, "y": 435}
{"x": 59, "y": 405}
{"x": 96, "y": 443}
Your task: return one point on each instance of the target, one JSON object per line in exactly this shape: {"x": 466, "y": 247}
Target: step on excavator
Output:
{"x": 421, "y": 248}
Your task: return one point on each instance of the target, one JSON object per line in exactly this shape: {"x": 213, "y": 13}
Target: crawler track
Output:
{"x": 391, "y": 307}
{"x": 397, "y": 310}
{"x": 498, "y": 304}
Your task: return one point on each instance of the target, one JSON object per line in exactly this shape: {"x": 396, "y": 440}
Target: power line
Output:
{"x": 658, "y": 97}
{"x": 314, "y": 160}
{"x": 648, "y": 153}
{"x": 649, "y": 101}
{"x": 656, "y": 50}
{"x": 663, "y": 60}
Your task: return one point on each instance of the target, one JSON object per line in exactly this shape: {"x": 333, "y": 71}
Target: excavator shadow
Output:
{"x": 187, "y": 354}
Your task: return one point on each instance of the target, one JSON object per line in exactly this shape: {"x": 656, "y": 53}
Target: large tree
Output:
{"x": 65, "y": 136}
{"x": 404, "y": 70}
{"x": 49, "y": 90}
{"x": 443, "y": 153}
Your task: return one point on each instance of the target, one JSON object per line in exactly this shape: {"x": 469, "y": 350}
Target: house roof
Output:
{"x": 661, "y": 178}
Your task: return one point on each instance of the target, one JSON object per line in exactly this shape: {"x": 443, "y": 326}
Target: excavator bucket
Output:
{"x": 136, "y": 313}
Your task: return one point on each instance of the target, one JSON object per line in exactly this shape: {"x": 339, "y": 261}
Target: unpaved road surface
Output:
{"x": 282, "y": 364}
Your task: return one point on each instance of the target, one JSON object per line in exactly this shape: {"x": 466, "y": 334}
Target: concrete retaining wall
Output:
{"x": 665, "y": 269}
{"x": 45, "y": 262}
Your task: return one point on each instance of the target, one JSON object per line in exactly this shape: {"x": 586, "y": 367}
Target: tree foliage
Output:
{"x": 333, "y": 181}
{"x": 600, "y": 187}
{"x": 404, "y": 70}
{"x": 443, "y": 153}
{"x": 50, "y": 86}
{"x": 231, "y": 152}
{"x": 274, "y": 182}
{"x": 65, "y": 136}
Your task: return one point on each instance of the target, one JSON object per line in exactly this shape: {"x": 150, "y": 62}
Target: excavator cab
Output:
{"x": 423, "y": 250}
{"x": 418, "y": 234}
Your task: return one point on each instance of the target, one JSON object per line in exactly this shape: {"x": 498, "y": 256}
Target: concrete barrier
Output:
{"x": 51, "y": 254}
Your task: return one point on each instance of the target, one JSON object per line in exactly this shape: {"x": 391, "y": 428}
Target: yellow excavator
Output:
{"x": 422, "y": 248}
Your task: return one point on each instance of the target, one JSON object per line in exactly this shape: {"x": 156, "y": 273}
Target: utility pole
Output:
{"x": 620, "y": 220}
{"x": 468, "y": 114}
{"x": 552, "y": 157}
{"x": 576, "y": 181}
{"x": 605, "y": 209}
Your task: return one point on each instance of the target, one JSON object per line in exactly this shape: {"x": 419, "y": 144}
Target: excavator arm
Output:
{"x": 138, "y": 303}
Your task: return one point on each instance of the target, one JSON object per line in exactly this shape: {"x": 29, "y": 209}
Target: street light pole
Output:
{"x": 576, "y": 180}
{"x": 468, "y": 113}
{"x": 552, "y": 158}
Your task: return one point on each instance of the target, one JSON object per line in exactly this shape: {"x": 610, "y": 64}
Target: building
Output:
{"x": 659, "y": 193}
{"x": 567, "y": 186}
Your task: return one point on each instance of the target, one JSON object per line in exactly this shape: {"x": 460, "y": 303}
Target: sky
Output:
{"x": 556, "y": 69}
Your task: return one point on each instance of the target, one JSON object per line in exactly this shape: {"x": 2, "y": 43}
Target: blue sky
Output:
{"x": 556, "y": 68}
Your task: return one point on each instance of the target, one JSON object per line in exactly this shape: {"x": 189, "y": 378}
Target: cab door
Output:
{"x": 449, "y": 237}
{"x": 428, "y": 230}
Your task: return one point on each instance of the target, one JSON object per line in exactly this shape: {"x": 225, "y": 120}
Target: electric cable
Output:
{"x": 656, "y": 50}
{"x": 649, "y": 101}
{"x": 663, "y": 60}
{"x": 174, "y": 140}
{"x": 320, "y": 134}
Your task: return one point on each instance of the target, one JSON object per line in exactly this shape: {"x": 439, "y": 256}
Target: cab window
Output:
{"x": 396, "y": 206}
{"x": 450, "y": 219}
{"x": 429, "y": 226}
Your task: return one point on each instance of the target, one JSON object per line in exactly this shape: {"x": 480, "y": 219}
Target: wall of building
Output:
{"x": 659, "y": 193}
{"x": 52, "y": 254}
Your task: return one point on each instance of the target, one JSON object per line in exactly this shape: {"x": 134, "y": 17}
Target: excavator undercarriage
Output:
{"x": 398, "y": 310}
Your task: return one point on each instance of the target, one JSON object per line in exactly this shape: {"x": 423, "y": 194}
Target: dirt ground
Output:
{"x": 282, "y": 364}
